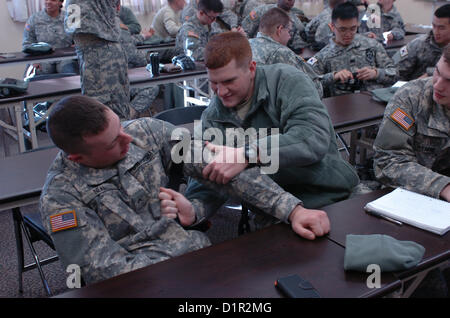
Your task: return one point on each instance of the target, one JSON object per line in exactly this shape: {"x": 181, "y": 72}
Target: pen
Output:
{"x": 384, "y": 217}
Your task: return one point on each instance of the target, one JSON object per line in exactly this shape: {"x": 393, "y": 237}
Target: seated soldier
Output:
{"x": 129, "y": 20}
{"x": 279, "y": 109}
{"x": 318, "y": 32}
{"x": 196, "y": 31}
{"x": 388, "y": 20}
{"x": 48, "y": 26}
{"x": 412, "y": 148}
{"x": 243, "y": 7}
{"x": 251, "y": 23}
{"x": 109, "y": 185}
{"x": 167, "y": 20}
{"x": 269, "y": 46}
{"x": 352, "y": 62}
{"x": 418, "y": 58}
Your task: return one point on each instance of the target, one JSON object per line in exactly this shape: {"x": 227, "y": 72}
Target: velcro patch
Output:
{"x": 312, "y": 61}
{"x": 404, "y": 51}
{"x": 63, "y": 221}
{"x": 402, "y": 118}
{"x": 193, "y": 34}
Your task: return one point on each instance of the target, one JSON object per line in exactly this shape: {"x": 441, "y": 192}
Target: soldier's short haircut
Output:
{"x": 443, "y": 12}
{"x": 446, "y": 53}
{"x": 345, "y": 11}
{"x": 210, "y": 5}
{"x": 222, "y": 48}
{"x": 272, "y": 19}
{"x": 73, "y": 118}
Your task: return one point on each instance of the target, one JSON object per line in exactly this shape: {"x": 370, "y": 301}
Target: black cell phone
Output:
{"x": 294, "y": 286}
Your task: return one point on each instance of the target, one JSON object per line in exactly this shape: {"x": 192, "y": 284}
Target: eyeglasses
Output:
{"x": 352, "y": 29}
{"x": 212, "y": 18}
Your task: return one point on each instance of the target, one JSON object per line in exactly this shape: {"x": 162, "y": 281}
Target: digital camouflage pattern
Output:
{"x": 41, "y": 27}
{"x": 406, "y": 157}
{"x": 390, "y": 21}
{"x": 319, "y": 40}
{"x": 103, "y": 62}
{"x": 250, "y": 24}
{"x": 140, "y": 98}
{"x": 418, "y": 57}
{"x": 362, "y": 52}
{"x": 265, "y": 50}
{"x": 192, "y": 38}
{"x": 120, "y": 227}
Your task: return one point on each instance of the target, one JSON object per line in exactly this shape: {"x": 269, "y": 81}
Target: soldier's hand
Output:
{"x": 371, "y": 35}
{"x": 367, "y": 73}
{"x": 343, "y": 76}
{"x": 123, "y": 26}
{"x": 445, "y": 193}
{"x": 225, "y": 165}
{"x": 149, "y": 33}
{"x": 174, "y": 204}
{"x": 309, "y": 223}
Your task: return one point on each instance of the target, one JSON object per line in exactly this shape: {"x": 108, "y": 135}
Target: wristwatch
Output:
{"x": 251, "y": 154}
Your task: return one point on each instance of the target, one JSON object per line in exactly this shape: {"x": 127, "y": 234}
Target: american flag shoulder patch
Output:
{"x": 402, "y": 118}
{"x": 253, "y": 15}
{"x": 193, "y": 34}
{"x": 63, "y": 221}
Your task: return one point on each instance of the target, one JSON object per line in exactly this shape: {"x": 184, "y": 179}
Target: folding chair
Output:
{"x": 33, "y": 231}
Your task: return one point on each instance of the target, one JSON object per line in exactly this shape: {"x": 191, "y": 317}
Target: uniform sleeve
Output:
{"x": 405, "y": 60}
{"x": 317, "y": 62}
{"x": 250, "y": 185}
{"x": 250, "y": 23}
{"x": 192, "y": 45}
{"x": 398, "y": 29}
{"x": 395, "y": 162}
{"x": 129, "y": 19}
{"x": 29, "y": 35}
{"x": 89, "y": 244}
{"x": 387, "y": 72}
{"x": 171, "y": 23}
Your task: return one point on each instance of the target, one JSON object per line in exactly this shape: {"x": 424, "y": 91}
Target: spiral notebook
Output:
{"x": 414, "y": 209}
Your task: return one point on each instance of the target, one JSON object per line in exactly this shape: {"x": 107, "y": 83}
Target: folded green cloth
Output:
{"x": 384, "y": 94}
{"x": 383, "y": 250}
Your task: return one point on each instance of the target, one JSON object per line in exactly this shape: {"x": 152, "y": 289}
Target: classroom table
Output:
{"x": 356, "y": 221}
{"x": 244, "y": 267}
{"x": 13, "y": 58}
{"x": 23, "y": 176}
{"x": 44, "y": 90}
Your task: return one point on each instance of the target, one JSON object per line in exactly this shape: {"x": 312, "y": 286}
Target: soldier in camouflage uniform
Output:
{"x": 103, "y": 62}
{"x": 390, "y": 21}
{"x": 109, "y": 187}
{"x": 128, "y": 19}
{"x": 225, "y": 21}
{"x": 418, "y": 58}
{"x": 269, "y": 46}
{"x": 244, "y": 7}
{"x": 349, "y": 54}
{"x": 196, "y": 31}
{"x": 270, "y": 97}
{"x": 413, "y": 144}
{"x": 48, "y": 26}
{"x": 317, "y": 31}
{"x": 140, "y": 98}
{"x": 251, "y": 23}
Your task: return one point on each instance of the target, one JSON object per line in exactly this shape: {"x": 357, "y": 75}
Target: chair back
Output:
{"x": 182, "y": 115}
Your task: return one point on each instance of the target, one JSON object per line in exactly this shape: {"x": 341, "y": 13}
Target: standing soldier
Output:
{"x": 103, "y": 62}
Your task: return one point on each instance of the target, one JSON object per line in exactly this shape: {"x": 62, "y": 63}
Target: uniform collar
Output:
{"x": 93, "y": 176}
